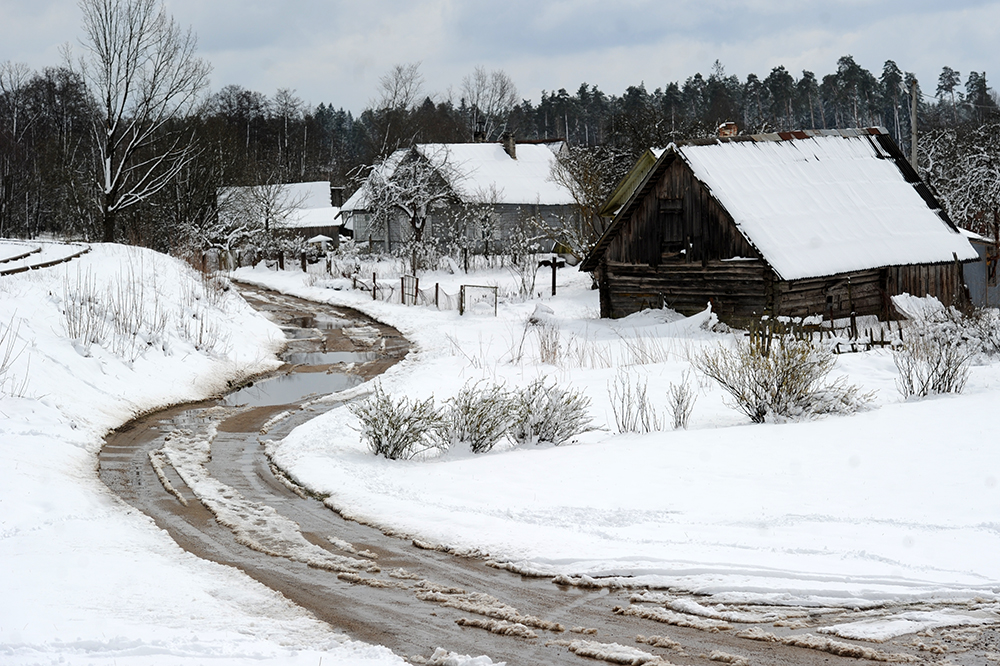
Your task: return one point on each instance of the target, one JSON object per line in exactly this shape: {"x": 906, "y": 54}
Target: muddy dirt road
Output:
{"x": 200, "y": 472}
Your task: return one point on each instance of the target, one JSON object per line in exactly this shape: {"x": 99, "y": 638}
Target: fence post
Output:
{"x": 437, "y": 286}
{"x": 303, "y": 262}
{"x": 402, "y": 290}
{"x": 461, "y": 300}
{"x": 373, "y": 286}
{"x": 281, "y": 260}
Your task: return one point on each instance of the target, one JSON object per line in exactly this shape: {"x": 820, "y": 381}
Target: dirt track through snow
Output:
{"x": 238, "y": 510}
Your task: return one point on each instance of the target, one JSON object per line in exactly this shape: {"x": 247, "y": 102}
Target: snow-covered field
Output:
{"x": 84, "y": 578}
{"x": 900, "y": 503}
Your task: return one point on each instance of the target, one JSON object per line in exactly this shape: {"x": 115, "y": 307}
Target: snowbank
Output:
{"x": 85, "y": 578}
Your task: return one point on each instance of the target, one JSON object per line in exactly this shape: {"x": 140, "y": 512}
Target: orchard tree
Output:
{"x": 142, "y": 72}
{"x": 409, "y": 184}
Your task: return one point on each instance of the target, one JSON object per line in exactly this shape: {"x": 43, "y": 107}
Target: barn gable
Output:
{"x": 801, "y": 223}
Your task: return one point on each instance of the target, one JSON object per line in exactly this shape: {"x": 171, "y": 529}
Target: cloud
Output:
{"x": 335, "y": 51}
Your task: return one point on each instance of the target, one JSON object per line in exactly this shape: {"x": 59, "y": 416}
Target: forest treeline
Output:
{"x": 53, "y": 172}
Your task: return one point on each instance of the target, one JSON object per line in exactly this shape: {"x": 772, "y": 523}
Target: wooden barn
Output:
{"x": 791, "y": 224}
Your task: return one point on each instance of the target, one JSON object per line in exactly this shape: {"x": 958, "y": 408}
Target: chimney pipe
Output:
{"x": 509, "y": 145}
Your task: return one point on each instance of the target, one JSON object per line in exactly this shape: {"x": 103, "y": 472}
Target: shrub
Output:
{"x": 479, "y": 416}
{"x": 935, "y": 356}
{"x": 544, "y": 413}
{"x": 933, "y": 359}
{"x": 398, "y": 429}
{"x": 681, "y": 399}
{"x": 630, "y": 404}
{"x": 783, "y": 379}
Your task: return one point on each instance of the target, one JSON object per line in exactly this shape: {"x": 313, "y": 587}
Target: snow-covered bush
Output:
{"x": 548, "y": 413}
{"x": 983, "y": 325}
{"x": 479, "y": 416}
{"x": 630, "y": 404}
{"x": 939, "y": 346}
{"x": 398, "y": 429}
{"x": 933, "y": 359}
{"x": 784, "y": 379}
{"x": 681, "y": 400}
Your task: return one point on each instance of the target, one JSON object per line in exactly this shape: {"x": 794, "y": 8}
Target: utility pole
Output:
{"x": 913, "y": 123}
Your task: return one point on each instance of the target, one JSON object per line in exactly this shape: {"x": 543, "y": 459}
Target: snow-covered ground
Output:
{"x": 900, "y": 503}
{"x": 84, "y": 578}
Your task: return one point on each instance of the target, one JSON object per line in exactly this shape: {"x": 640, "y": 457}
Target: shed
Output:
{"x": 819, "y": 222}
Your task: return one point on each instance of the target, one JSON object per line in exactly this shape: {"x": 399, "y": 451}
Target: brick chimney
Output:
{"x": 508, "y": 144}
{"x": 728, "y": 129}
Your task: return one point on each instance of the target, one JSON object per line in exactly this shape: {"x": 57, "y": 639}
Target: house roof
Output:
{"x": 306, "y": 204}
{"x": 815, "y": 203}
{"x": 475, "y": 170}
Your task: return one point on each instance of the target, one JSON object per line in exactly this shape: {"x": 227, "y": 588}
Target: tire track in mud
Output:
{"x": 386, "y": 590}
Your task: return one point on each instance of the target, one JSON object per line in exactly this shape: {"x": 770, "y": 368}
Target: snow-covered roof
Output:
{"x": 312, "y": 217}
{"x": 823, "y": 203}
{"x": 303, "y": 204}
{"x": 475, "y": 169}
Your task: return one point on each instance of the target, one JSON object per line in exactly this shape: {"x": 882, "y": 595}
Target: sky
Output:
{"x": 333, "y": 51}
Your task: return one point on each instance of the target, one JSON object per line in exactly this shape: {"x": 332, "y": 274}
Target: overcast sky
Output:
{"x": 334, "y": 51}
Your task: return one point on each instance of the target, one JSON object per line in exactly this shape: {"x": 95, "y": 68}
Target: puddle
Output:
{"x": 290, "y": 388}
{"x": 300, "y": 333}
{"x": 322, "y": 323}
{"x": 328, "y": 358}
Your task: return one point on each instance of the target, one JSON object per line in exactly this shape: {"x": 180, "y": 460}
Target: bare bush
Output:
{"x": 782, "y": 380}
{"x": 84, "y": 310}
{"x": 479, "y": 416}
{"x": 630, "y": 404}
{"x": 936, "y": 355}
{"x": 548, "y": 413}
{"x": 398, "y": 429}
{"x": 548, "y": 343}
{"x": 681, "y": 399}
{"x": 8, "y": 355}
{"x": 933, "y": 360}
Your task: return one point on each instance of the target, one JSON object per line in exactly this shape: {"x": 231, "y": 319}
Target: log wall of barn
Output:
{"x": 943, "y": 281}
{"x": 836, "y": 296}
{"x": 736, "y": 290}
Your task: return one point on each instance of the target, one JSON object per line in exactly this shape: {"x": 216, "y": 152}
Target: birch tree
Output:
{"x": 142, "y": 71}
{"x": 492, "y": 96}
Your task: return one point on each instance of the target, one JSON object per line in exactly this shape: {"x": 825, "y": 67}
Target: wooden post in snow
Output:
{"x": 913, "y": 124}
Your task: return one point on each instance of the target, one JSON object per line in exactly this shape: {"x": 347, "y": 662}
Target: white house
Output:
{"x": 304, "y": 209}
{"x": 513, "y": 180}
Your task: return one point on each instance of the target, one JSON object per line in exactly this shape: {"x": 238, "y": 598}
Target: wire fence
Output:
{"x": 407, "y": 291}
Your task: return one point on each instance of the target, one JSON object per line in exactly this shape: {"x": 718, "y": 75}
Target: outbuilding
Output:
{"x": 819, "y": 222}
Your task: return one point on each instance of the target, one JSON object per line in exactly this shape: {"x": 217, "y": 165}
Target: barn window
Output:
{"x": 671, "y": 220}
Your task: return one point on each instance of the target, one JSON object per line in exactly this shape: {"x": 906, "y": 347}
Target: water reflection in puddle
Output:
{"x": 290, "y": 388}
{"x": 328, "y": 358}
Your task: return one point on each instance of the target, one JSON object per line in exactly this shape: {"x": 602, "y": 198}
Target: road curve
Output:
{"x": 385, "y": 590}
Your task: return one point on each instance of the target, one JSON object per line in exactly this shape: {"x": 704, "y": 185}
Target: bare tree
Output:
{"x": 252, "y": 217}
{"x": 409, "y": 184}
{"x": 590, "y": 175}
{"x": 142, "y": 71}
{"x": 15, "y": 120}
{"x": 399, "y": 88}
{"x": 492, "y": 96}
